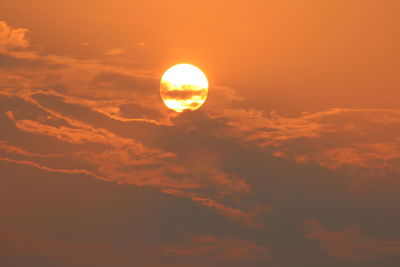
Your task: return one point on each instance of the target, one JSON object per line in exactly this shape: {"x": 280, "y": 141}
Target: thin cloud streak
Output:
{"x": 228, "y": 249}
{"x": 17, "y": 150}
{"x": 44, "y": 168}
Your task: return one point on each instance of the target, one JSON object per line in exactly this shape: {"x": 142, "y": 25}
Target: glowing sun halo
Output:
{"x": 184, "y": 87}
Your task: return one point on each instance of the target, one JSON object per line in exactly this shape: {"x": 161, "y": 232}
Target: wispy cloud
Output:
{"x": 20, "y": 151}
{"x": 114, "y": 52}
{"x": 44, "y": 168}
{"x": 227, "y": 249}
{"x": 340, "y": 139}
{"x": 127, "y": 161}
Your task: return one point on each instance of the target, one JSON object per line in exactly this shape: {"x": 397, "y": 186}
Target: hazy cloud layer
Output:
{"x": 96, "y": 171}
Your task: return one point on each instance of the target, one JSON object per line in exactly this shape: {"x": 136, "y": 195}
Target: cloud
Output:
{"x": 273, "y": 129}
{"x": 256, "y": 173}
{"x": 127, "y": 161}
{"x": 44, "y": 168}
{"x": 87, "y": 143}
{"x": 12, "y": 38}
{"x": 17, "y": 241}
{"x": 114, "y": 52}
{"x": 227, "y": 249}
{"x": 249, "y": 217}
{"x": 107, "y": 87}
{"x": 379, "y": 157}
{"x": 358, "y": 141}
{"x": 351, "y": 244}
{"x": 17, "y": 150}
{"x": 184, "y": 94}
{"x": 139, "y": 44}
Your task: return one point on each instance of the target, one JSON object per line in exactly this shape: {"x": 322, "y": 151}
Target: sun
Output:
{"x": 184, "y": 87}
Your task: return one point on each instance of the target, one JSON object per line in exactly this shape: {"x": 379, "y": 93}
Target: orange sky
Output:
{"x": 278, "y": 53}
{"x": 292, "y": 161}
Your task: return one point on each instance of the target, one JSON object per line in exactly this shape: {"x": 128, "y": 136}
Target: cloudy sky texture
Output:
{"x": 294, "y": 160}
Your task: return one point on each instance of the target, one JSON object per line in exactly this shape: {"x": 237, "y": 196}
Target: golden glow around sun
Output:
{"x": 184, "y": 87}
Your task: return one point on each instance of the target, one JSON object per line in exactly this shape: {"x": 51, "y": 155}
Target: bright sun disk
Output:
{"x": 184, "y": 87}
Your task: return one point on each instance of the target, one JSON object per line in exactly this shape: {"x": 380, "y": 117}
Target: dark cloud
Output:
{"x": 183, "y": 94}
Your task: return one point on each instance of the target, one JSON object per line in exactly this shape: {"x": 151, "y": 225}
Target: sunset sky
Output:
{"x": 293, "y": 160}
